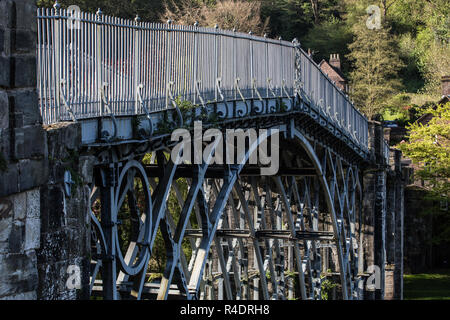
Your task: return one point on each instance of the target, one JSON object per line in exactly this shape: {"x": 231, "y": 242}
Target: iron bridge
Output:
{"x": 227, "y": 231}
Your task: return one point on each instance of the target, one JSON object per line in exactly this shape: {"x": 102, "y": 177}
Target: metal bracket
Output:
{"x": 218, "y": 82}
{"x": 106, "y": 104}
{"x": 66, "y": 104}
{"x": 172, "y": 101}
{"x": 256, "y": 89}
{"x": 269, "y": 86}
{"x": 147, "y": 113}
{"x": 197, "y": 91}
{"x": 236, "y": 85}
{"x": 283, "y": 88}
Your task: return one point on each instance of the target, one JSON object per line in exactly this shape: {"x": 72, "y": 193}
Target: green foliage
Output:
{"x": 154, "y": 276}
{"x": 329, "y": 37}
{"x": 283, "y": 107}
{"x": 428, "y": 286}
{"x": 429, "y": 146}
{"x": 147, "y": 10}
{"x": 327, "y": 287}
{"x": 374, "y": 78}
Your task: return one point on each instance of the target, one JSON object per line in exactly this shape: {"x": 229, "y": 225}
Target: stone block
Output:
{"x": 33, "y": 173}
{"x": 5, "y": 144}
{"x": 52, "y": 209}
{"x": 4, "y": 110}
{"x": 53, "y": 247}
{"x": 25, "y": 12}
{"x": 17, "y": 237}
{"x": 4, "y": 247}
{"x": 22, "y": 296}
{"x": 52, "y": 282}
{"x": 25, "y": 106}
{"x": 6, "y": 14}
{"x": 62, "y": 137}
{"x": 29, "y": 142}
{"x": 32, "y": 233}
{"x": 12, "y": 176}
{"x": 86, "y": 168}
{"x": 24, "y": 71}
{"x": 18, "y": 273}
{"x": 5, "y": 75}
{"x": 5, "y": 42}
{"x": 25, "y": 41}
{"x": 20, "y": 206}
{"x": 6, "y": 218}
{"x": 34, "y": 203}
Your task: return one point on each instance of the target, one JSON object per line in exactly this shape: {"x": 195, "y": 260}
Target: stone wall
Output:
{"x": 43, "y": 229}
{"x": 382, "y": 238}
{"x": 23, "y": 152}
{"x": 65, "y": 228}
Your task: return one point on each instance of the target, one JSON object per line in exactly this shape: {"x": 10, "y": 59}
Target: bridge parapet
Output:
{"x": 94, "y": 66}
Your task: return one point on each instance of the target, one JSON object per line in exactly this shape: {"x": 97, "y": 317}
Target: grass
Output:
{"x": 427, "y": 286}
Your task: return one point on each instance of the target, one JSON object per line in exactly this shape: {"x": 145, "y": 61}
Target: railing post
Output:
{"x": 99, "y": 78}
{"x": 281, "y": 66}
{"x": 137, "y": 63}
{"x": 195, "y": 61}
{"x": 267, "y": 64}
{"x": 168, "y": 63}
{"x": 234, "y": 64}
{"x": 216, "y": 54}
{"x": 57, "y": 49}
{"x": 251, "y": 62}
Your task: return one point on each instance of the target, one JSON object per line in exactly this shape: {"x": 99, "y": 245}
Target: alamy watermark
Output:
{"x": 373, "y": 281}
{"x": 74, "y": 18}
{"x": 374, "y": 19}
{"x": 250, "y": 144}
{"x": 74, "y": 279}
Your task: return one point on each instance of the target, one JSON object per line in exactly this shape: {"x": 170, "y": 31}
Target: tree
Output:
{"x": 376, "y": 65}
{"x": 243, "y": 15}
{"x": 331, "y": 36}
{"x": 428, "y": 147}
{"x": 128, "y": 9}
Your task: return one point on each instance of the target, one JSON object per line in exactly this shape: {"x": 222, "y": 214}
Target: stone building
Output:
{"x": 333, "y": 70}
{"x": 422, "y": 214}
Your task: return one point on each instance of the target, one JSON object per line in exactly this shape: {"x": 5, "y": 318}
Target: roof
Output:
{"x": 336, "y": 70}
{"x": 444, "y": 99}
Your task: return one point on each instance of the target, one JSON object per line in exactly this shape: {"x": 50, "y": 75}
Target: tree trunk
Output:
{"x": 315, "y": 8}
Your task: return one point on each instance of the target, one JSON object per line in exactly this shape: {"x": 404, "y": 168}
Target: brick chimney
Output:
{"x": 335, "y": 61}
{"x": 445, "y": 81}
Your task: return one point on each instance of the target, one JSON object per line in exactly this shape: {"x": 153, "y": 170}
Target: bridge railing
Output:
{"x": 331, "y": 100}
{"x": 92, "y": 65}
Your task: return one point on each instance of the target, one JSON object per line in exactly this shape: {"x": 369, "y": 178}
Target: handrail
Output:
{"x": 186, "y": 62}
